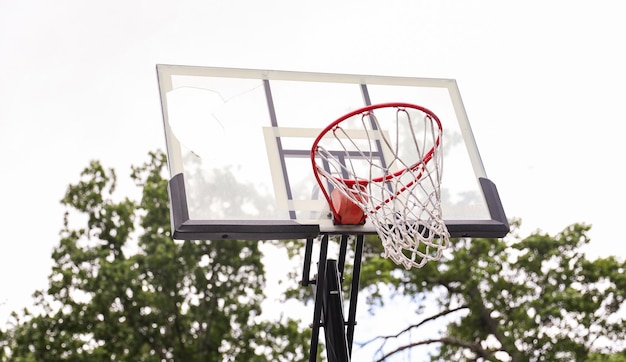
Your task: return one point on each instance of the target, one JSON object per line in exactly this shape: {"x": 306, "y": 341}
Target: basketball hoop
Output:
{"x": 383, "y": 163}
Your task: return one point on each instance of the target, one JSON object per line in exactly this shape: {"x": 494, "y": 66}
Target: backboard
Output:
{"x": 239, "y": 141}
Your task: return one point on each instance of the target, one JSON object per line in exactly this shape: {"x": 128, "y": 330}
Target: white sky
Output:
{"x": 542, "y": 82}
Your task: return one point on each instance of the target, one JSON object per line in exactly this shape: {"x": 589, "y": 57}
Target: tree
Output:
{"x": 122, "y": 289}
{"x": 535, "y": 299}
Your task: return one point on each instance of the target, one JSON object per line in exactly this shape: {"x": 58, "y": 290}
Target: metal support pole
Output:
{"x": 317, "y": 309}
{"x": 318, "y": 313}
{"x": 337, "y": 349}
{"x": 306, "y": 269}
{"x": 354, "y": 291}
{"x": 343, "y": 246}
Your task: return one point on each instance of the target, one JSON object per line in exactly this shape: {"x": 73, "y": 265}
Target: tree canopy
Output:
{"x": 533, "y": 299}
{"x": 122, "y": 289}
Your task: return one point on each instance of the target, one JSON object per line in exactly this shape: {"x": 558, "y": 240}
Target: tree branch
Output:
{"x": 424, "y": 321}
{"x": 476, "y": 348}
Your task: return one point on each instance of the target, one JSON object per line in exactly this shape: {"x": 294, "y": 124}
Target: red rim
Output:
{"x": 351, "y": 182}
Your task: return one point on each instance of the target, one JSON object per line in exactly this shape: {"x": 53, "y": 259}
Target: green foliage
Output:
{"x": 122, "y": 289}
{"x": 535, "y": 299}
{"x": 599, "y": 357}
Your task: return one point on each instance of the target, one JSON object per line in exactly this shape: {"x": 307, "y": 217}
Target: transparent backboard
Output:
{"x": 239, "y": 142}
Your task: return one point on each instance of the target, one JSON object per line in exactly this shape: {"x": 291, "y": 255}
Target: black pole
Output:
{"x": 317, "y": 309}
{"x": 342, "y": 255}
{"x": 337, "y": 349}
{"x": 354, "y": 291}
{"x": 306, "y": 269}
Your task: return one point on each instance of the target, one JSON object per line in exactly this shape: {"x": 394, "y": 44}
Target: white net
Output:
{"x": 387, "y": 159}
